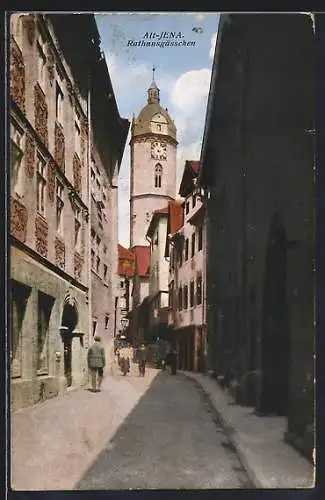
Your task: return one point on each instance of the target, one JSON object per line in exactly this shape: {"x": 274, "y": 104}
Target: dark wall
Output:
{"x": 261, "y": 246}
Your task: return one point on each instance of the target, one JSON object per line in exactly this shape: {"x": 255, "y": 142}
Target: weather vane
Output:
{"x": 153, "y": 72}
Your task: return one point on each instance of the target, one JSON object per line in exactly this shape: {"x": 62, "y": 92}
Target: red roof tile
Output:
{"x": 142, "y": 256}
{"x": 176, "y": 216}
{"x": 191, "y": 171}
{"x": 126, "y": 262}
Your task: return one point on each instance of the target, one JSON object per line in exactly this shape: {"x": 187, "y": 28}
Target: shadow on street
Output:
{"x": 168, "y": 441}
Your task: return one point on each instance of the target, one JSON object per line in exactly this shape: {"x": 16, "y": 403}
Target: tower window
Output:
{"x": 158, "y": 174}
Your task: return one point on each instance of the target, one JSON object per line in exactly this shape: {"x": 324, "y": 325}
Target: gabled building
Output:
{"x": 138, "y": 316}
{"x": 185, "y": 249}
{"x": 158, "y": 280}
{"x": 126, "y": 272}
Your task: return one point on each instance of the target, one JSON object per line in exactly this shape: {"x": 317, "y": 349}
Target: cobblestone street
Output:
{"x": 170, "y": 440}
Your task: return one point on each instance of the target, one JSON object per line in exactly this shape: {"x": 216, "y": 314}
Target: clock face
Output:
{"x": 159, "y": 150}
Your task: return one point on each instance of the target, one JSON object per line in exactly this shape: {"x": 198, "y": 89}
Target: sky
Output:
{"x": 182, "y": 74}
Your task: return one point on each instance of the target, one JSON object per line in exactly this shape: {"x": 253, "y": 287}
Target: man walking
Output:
{"x": 96, "y": 363}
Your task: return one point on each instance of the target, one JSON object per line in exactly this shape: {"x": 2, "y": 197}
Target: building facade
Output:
{"x": 109, "y": 133}
{"x": 126, "y": 270}
{"x": 187, "y": 314}
{"x": 52, "y": 132}
{"x": 257, "y": 163}
{"x": 158, "y": 280}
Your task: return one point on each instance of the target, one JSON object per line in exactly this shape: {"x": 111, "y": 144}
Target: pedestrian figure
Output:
{"x": 142, "y": 359}
{"x": 173, "y": 361}
{"x": 96, "y": 363}
{"x": 125, "y": 357}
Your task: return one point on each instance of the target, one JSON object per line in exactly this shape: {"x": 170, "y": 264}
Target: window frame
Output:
{"x": 17, "y": 142}
{"x": 59, "y": 206}
{"x": 41, "y": 174}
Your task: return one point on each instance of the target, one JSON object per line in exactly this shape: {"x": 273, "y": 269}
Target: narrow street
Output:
{"x": 170, "y": 440}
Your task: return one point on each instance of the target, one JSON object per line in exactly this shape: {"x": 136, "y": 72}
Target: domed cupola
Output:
{"x": 153, "y": 118}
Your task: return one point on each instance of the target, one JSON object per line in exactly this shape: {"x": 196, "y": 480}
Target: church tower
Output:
{"x": 153, "y": 164}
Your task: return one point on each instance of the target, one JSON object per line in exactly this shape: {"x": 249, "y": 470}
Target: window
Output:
{"x": 122, "y": 284}
{"x": 106, "y": 321}
{"x": 194, "y": 200}
{"x": 97, "y": 253}
{"x": 59, "y": 104}
{"x": 45, "y": 303}
{"x": 158, "y": 174}
{"x": 180, "y": 298}
{"x": 105, "y": 272}
{"x": 181, "y": 254}
{"x": 92, "y": 259}
{"x": 192, "y": 294}
{"x": 147, "y": 216}
{"x": 19, "y": 297}
{"x": 200, "y": 234}
{"x": 158, "y": 127}
{"x": 156, "y": 241}
{"x": 186, "y": 249}
{"x": 187, "y": 207}
{"x": 41, "y": 62}
{"x": 59, "y": 206}
{"x": 77, "y": 134}
{"x": 17, "y": 137}
{"x": 193, "y": 245}
{"x": 41, "y": 185}
{"x": 77, "y": 227}
{"x": 199, "y": 290}
{"x": 94, "y": 327}
{"x": 185, "y": 297}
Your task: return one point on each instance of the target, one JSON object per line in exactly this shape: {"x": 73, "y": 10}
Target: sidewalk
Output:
{"x": 53, "y": 443}
{"x": 269, "y": 461}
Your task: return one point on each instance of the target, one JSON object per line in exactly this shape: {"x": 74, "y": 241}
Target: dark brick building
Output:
{"x": 258, "y": 168}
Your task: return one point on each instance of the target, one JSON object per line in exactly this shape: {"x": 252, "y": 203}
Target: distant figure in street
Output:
{"x": 142, "y": 359}
{"x": 96, "y": 363}
{"x": 126, "y": 355}
{"x": 171, "y": 361}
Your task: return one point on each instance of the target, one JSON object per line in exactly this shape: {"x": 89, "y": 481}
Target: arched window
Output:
{"x": 158, "y": 174}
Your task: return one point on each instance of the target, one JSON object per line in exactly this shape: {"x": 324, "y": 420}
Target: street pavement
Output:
{"x": 153, "y": 432}
{"x": 169, "y": 441}
{"x": 156, "y": 432}
{"x": 259, "y": 441}
{"x": 54, "y": 442}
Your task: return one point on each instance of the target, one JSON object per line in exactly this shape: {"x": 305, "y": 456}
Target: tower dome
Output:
{"x": 153, "y": 117}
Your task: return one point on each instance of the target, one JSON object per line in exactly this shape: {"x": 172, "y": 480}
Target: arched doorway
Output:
{"x": 68, "y": 324}
{"x": 275, "y": 326}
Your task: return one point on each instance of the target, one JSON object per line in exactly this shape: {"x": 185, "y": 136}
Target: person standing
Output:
{"x": 96, "y": 363}
{"x": 142, "y": 358}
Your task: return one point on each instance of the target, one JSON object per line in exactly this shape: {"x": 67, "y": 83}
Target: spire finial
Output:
{"x": 153, "y": 73}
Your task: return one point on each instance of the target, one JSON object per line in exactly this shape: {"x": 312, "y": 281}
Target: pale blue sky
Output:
{"x": 182, "y": 74}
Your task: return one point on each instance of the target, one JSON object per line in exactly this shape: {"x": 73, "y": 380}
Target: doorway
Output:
{"x": 69, "y": 321}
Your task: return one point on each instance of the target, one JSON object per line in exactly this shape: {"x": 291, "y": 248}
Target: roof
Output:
{"x": 126, "y": 261}
{"x": 176, "y": 216}
{"x": 157, "y": 214}
{"x": 175, "y": 220}
{"x": 191, "y": 171}
{"x": 141, "y": 124}
{"x": 142, "y": 260}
